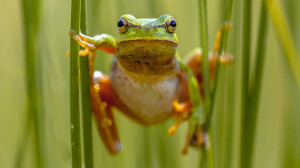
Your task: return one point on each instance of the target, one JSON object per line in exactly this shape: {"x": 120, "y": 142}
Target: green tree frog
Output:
{"x": 146, "y": 82}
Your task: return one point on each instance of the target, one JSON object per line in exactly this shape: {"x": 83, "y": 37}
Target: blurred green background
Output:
{"x": 277, "y": 140}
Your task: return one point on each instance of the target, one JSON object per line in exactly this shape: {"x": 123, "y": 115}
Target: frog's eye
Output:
{"x": 122, "y": 25}
{"x": 170, "y": 25}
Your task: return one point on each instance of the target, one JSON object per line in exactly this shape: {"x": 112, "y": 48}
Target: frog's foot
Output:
{"x": 195, "y": 138}
{"x": 81, "y": 52}
{"x": 226, "y": 59}
{"x": 102, "y": 110}
{"x": 183, "y": 111}
{"x": 84, "y": 44}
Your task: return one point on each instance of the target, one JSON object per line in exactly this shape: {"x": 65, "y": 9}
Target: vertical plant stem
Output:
{"x": 258, "y": 72}
{"x": 205, "y": 67}
{"x": 74, "y": 88}
{"x": 223, "y": 46}
{"x": 203, "y": 159}
{"x": 86, "y": 97}
{"x": 31, "y": 20}
{"x": 204, "y": 45}
{"x": 246, "y": 155}
{"x": 260, "y": 52}
{"x": 281, "y": 26}
{"x": 227, "y": 18}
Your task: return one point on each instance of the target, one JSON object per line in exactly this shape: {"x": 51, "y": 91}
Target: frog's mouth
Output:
{"x": 147, "y": 56}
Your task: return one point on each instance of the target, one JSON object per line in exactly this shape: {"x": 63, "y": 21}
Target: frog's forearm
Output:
{"x": 104, "y": 42}
{"x": 84, "y": 44}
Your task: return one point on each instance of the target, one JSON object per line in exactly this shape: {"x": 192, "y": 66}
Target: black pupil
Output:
{"x": 120, "y": 23}
{"x": 173, "y": 23}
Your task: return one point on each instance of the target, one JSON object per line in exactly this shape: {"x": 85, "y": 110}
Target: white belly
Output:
{"x": 149, "y": 102}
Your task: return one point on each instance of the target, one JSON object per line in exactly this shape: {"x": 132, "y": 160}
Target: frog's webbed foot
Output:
{"x": 226, "y": 59}
{"x": 196, "y": 137}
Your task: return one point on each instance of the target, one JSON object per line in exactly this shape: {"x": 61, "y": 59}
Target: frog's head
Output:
{"x": 162, "y": 29}
{"x": 147, "y": 45}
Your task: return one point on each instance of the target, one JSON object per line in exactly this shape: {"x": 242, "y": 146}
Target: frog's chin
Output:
{"x": 153, "y": 57}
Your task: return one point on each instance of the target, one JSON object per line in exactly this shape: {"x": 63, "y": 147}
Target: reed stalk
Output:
{"x": 86, "y": 109}
{"x": 223, "y": 46}
{"x": 31, "y": 21}
{"x": 74, "y": 88}
{"x": 285, "y": 37}
{"x": 204, "y": 45}
{"x": 245, "y": 156}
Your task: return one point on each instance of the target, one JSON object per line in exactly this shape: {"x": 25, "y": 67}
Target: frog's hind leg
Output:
{"x": 102, "y": 109}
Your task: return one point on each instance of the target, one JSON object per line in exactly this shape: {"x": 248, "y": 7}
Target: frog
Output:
{"x": 148, "y": 82}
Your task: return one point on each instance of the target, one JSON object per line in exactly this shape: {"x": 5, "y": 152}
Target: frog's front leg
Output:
{"x": 104, "y": 42}
{"x": 99, "y": 84}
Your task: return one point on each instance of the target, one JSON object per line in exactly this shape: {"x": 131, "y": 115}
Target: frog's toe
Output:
{"x": 72, "y": 33}
{"x": 226, "y": 58}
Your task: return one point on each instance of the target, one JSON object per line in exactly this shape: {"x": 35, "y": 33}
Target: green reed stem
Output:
{"x": 74, "y": 88}
{"x": 31, "y": 21}
{"x": 205, "y": 67}
{"x": 204, "y": 45}
{"x": 260, "y": 53}
{"x": 250, "y": 116}
{"x": 283, "y": 32}
{"x": 86, "y": 97}
{"x": 223, "y": 46}
{"x": 246, "y": 156}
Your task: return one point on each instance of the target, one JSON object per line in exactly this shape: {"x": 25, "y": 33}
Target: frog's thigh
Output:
{"x": 108, "y": 95}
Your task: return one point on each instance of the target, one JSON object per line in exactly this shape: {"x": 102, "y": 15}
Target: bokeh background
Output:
{"x": 277, "y": 140}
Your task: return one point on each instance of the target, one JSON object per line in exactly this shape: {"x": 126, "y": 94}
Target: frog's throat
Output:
{"x": 148, "y": 57}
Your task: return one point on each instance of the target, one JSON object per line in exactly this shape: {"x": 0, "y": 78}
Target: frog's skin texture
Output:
{"x": 145, "y": 82}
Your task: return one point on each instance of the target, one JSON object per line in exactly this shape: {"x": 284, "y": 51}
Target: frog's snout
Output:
{"x": 149, "y": 27}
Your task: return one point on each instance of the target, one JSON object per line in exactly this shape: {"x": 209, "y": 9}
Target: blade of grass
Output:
{"x": 253, "y": 102}
{"x": 86, "y": 97}
{"x": 228, "y": 151}
{"x": 204, "y": 45}
{"x": 74, "y": 88}
{"x": 281, "y": 26}
{"x": 260, "y": 54}
{"x": 223, "y": 46}
{"x": 245, "y": 150}
{"x": 19, "y": 157}
{"x": 31, "y": 21}
{"x": 205, "y": 67}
